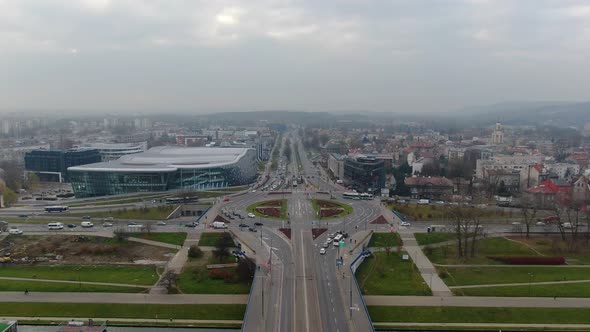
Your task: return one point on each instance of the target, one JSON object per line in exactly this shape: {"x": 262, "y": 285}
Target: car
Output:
{"x": 405, "y": 223}
{"x": 161, "y": 223}
{"x": 252, "y": 229}
{"x": 258, "y": 223}
{"x": 23, "y": 215}
{"x": 331, "y": 235}
{"x": 241, "y": 217}
{"x": 336, "y": 243}
{"x": 401, "y": 201}
{"x": 226, "y": 199}
{"x": 251, "y": 215}
{"x": 108, "y": 219}
{"x": 192, "y": 224}
{"x": 253, "y": 191}
{"x": 540, "y": 223}
{"x": 326, "y": 244}
{"x": 132, "y": 223}
{"x": 322, "y": 251}
{"x": 15, "y": 231}
{"x": 87, "y": 217}
{"x": 243, "y": 225}
{"x": 72, "y": 226}
{"x": 107, "y": 224}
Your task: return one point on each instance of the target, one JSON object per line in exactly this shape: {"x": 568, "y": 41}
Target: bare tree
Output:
{"x": 467, "y": 224}
{"x": 529, "y": 212}
{"x": 169, "y": 280}
{"x": 148, "y": 227}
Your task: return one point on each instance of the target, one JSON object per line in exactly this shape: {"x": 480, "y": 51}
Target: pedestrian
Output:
{"x": 26, "y": 292}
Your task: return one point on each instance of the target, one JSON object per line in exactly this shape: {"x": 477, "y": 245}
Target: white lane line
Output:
{"x": 304, "y": 286}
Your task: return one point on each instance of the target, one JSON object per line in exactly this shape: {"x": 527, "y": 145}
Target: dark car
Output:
{"x": 87, "y": 217}
{"x": 244, "y": 225}
{"x": 23, "y": 215}
{"x": 258, "y": 223}
{"x": 241, "y": 217}
{"x": 132, "y": 223}
{"x": 252, "y": 229}
{"x": 71, "y": 226}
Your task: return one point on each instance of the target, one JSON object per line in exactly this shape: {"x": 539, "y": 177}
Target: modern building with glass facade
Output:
{"x": 166, "y": 168}
{"x": 52, "y": 164}
{"x": 365, "y": 174}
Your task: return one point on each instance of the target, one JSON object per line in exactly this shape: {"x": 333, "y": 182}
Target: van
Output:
{"x": 86, "y": 224}
{"x": 55, "y": 226}
{"x": 423, "y": 201}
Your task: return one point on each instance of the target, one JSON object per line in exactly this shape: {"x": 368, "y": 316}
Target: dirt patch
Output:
{"x": 329, "y": 212}
{"x": 279, "y": 193}
{"x": 315, "y": 232}
{"x": 286, "y": 231}
{"x": 80, "y": 249}
{"x": 379, "y": 221}
{"x": 221, "y": 219}
{"x": 269, "y": 211}
{"x": 326, "y": 204}
{"x": 273, "y": 203}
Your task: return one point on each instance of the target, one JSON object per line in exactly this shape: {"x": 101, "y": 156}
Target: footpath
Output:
{"x": 73, "y": 297}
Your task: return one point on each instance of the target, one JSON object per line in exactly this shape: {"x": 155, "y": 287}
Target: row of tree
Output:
{"x": 14, "y": 180}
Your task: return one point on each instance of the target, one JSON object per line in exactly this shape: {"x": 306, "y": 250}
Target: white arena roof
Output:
{"x": 168, "y": 159}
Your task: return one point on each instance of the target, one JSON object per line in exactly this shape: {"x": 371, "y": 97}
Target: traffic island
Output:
{"x": 327, "y": 209}
{"x": 273, "y": 209}
{"x": 286, "y": 231}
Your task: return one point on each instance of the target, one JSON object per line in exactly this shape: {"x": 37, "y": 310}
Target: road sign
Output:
{"x": 339, "y": 262}
{"x": 341, "y": 244}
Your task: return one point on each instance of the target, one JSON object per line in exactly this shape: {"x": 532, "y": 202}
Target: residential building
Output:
{"x": 435, "y": 187}
{"x": 547, "y": 192}
{"x": 581, "y": 189}
{"x": 336, "y": 165}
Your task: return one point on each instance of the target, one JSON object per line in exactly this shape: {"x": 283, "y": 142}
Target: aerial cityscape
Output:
{"x": 294, "y": 166}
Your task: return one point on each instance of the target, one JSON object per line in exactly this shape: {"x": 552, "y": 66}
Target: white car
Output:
{"x": 326, "y": 244}
{"x": 322, "y": 251}
{"x": 251, "y": 215}
{"x": 404, "y": 223}
{"x": 336, "y": 243}
{"x": 15, "y": 231}
{"x": 253, "y": 191}
{"x": 161, "y": 223}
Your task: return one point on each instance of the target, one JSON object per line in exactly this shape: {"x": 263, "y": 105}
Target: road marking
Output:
{"x": 304, "y": 286}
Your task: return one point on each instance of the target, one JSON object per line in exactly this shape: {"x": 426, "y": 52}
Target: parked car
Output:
{"x": 252, "y": 229}
{"x": 251, "y": 215}
{"x": 23, "y": 215}
{"x": 15, "y": 231}
{"x": 243, "y": 225}
{"x": 405, "y": 223}
{"x": 72, "y": 226}
{"x": 258, "y": 223}
{"x": 107, "y": 224}
{"x": 192, "y": 224}
{"x": 108, "y": 219}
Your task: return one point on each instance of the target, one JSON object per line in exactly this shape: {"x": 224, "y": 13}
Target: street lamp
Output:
{"x": 531, "y": 276}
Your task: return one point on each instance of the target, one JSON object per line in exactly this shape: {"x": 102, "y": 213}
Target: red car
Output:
{"x": 226, "y": 199}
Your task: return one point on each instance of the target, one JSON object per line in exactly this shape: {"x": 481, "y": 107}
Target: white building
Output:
{"x": 498, "y": 134}
{"x": 113, "y": 151}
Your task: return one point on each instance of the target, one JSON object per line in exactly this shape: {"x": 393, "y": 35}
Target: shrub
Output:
{"x": 529, "y": 260}
{"x": 195, "y": 252}
{"x": 443, "y": 274}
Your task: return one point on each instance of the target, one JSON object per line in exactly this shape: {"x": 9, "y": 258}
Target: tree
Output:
{"x": 13, "y": 174}
{"x": 31, "y": 182}
{"x": 10, "y": 197}
{"x": 529, "y": 212}
{"x": 246, "y": 269}
{"x": 222, "y": 248}
{"x": 467, "y": 226}
{"x": 169, "y": 280}
{"x": 195, "y": 252}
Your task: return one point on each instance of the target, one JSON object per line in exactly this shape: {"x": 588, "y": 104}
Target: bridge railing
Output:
{"x": 353, "y": 266}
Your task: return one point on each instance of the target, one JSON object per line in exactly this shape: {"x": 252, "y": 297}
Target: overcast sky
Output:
{"x": 316, "y": 55}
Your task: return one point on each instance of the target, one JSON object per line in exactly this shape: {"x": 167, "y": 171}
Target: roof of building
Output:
{"x": 168, "y": 159}
{"x": 425, "y": 180}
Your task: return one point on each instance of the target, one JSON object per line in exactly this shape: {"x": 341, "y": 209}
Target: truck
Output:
{"x": 219, "y": 225}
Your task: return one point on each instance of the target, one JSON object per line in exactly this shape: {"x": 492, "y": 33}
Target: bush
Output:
{"x": 195, "y": 252}
{"x": 443, "y": 274}
{"x": 529, "y": 260}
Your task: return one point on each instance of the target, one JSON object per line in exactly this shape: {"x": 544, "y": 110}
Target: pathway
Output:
{"x": 525, "y": 327}
{"x": 73, "y": 297}
{"x": 153, "y": 243}
{"x": 522, "y": 284}
{"x": 75, "y": 282}
{"x": 129, "y": 320}
{"x": 477, "y": 301}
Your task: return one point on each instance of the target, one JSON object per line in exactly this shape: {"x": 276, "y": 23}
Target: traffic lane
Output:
{"x": 169, "y": 227}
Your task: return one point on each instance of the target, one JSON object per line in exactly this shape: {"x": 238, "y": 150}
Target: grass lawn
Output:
{"x": 497, "y": 246}
{"x": 171, "y": 238}
{"x": 137, "y": 275}
{"x": 150, "y": 213}
{"x": 119, "y": 310}
{"x": 434, "y": 237}
{"x": 563, "y": 290}
{"x": 460, "y": 276}
{"x": 347, "y": 208}
{"x": 383, "y": 274}
{"x": 553, "y": 245}
{"x": 39, "y": 286}
{"x": 480, "y": 315}
{"x": 252, "y": 209}
{"x": 195, "y": 280}
{"x": 434, "y": 212}
{"x": 385, "y": 240}
{"x": 209, "y": 239}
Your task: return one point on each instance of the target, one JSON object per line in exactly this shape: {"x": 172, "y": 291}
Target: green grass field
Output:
{"x": 433, "y": 238}
{"x": 559, "y": 290}
{"x": 209, "y": 239}
{"x": 171, "y": 238}
{"x": 150, "y": 213}
{"x": 117, "y": 310}
{"x": 434, "y": 212}
{"x": 39, "y": 286}
{"x": 486, "y": 247}
{"x": 252, "y": 209}
{"x": 136, "y": 275}
{"x": 195, "y": 280}
{"x": 460, "y": 276}
{"x": 347, "y": 208}
{"x": 385, "y": 240}
{"x": 480, "y": 315}
{"x": 383, "y": 274}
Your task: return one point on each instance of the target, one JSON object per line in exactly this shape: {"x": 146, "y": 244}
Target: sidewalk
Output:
{"x": 522, "y": 284}
{"x": 127, "y": 320}
{"x": 553, "y": 327}
{"x": 75, "y": 282}
{"x": 477, "y": 301}
{"x": 73, "y": 297}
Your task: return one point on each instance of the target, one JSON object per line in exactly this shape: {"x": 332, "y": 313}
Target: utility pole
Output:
{"x": 351, "y": 275}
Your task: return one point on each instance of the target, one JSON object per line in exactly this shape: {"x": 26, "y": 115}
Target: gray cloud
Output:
{"x": 282, "y": 54}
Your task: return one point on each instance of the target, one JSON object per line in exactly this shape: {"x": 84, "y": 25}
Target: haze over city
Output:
{"x": 208, "y": 56}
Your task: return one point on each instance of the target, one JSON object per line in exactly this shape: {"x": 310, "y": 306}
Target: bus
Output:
{"x": 366, "y": 196}
{"x": 60, "y": 208}
{"x": 351, "y": 195}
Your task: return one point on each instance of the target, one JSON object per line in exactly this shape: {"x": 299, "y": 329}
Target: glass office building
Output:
{"x": 166, "y": 168}
{"x": 52, "y": 165}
